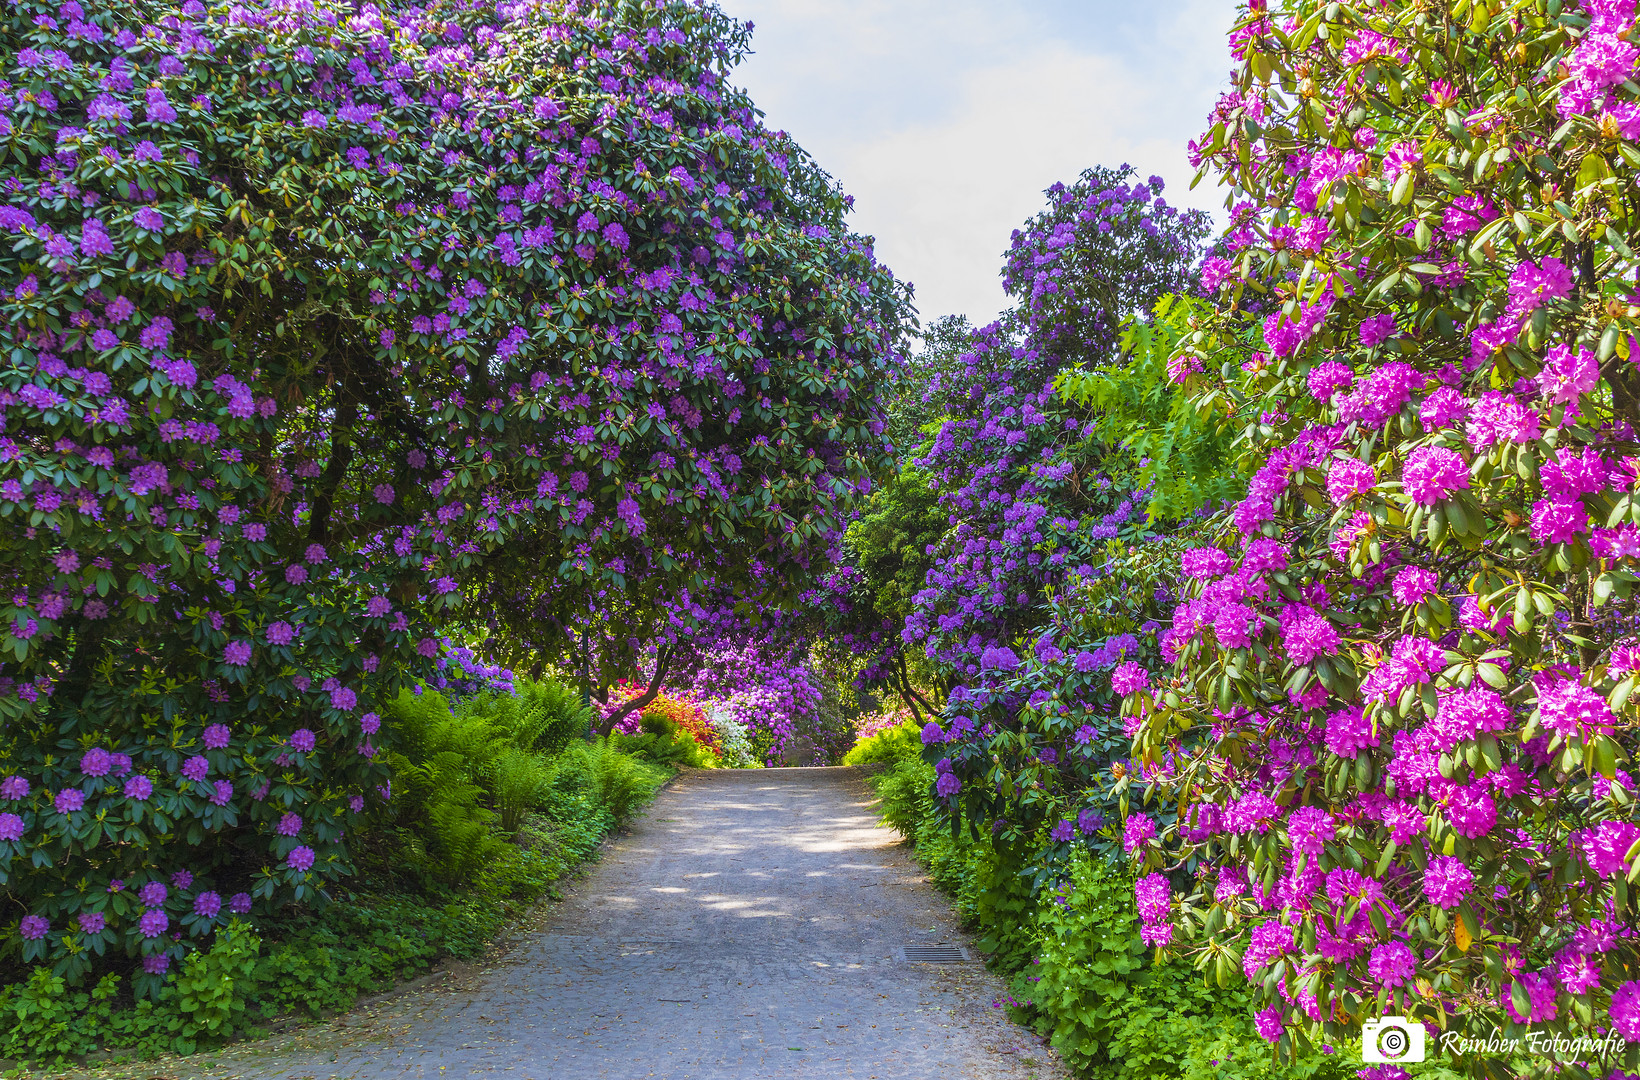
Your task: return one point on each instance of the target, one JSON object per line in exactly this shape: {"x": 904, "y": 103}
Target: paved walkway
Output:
{"x": 749, "y": 926}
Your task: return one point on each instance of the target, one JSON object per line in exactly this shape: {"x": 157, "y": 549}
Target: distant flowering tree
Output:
{"x": 315, "y": 315}
{"x": 1399, "y": 722}
{"x": 757, "y": 670}
{"x": 1103, "y": 250}
{"x": 1016, "y": 467}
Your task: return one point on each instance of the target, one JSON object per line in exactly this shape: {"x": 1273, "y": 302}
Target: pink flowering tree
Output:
{"x": 315, "y": 315}
{"x": 1395, "y": 715}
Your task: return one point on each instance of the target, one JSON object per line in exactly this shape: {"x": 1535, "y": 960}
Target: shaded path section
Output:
{"x": 749, "y": 926}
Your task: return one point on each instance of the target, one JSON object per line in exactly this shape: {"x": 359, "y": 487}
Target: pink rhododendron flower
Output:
{"x": 1349, "y": 732}
{"x": 1205, "y": 562}
{"x": 1444, "y": 407}
{"x": 1463, "y": 713}
{"x": 1306, "y": 633}
{"x": 1392, "y": 964}
{"x": 1309, "y": 828}
{"x": 1137, "y": 831}
{"x": 1377, "y": 330}
{"x": 1567, "y": 375}
{"x": 1572, "y": 709}
{"x": 1348, "y": 478}
{"x": 1558, "y": 521}
{"x": 1447, "y": 881}
{"x": 1268, "y": 941}
{"x": 1328, "y": 378}
{"x": 1129, "y": 678}
{"x": 1625, "y": 1010}
{"x": 1607, "y": 846}
{"x": 1267, "y": 1022}
{"x": 1540, "y": 993}
{"x": 1432, "y": 474}
{"x": 1472, "y": 812}
{"x": 1153, "y": 897}
{"x": 1413, "y": 584}
{"x": 1532, "y": 285}
{"x": 1501, "y": 418}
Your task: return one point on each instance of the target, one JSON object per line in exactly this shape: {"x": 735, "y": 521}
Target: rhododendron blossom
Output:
{"x": 1469, "y": 532}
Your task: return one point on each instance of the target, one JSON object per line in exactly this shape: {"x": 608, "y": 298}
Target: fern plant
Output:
{"x": 520, "y": 782}
{"x": 437, "y": 796}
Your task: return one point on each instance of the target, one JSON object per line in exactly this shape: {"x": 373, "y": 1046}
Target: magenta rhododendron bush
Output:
{"x": 1399, "y": 724}
{"x": 316, "y": 318}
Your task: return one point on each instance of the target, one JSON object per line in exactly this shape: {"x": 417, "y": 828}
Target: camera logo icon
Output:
{"x": 1394, "y": 1039}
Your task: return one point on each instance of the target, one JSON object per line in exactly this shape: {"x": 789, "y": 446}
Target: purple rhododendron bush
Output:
{"x": 322, "y": 319}
{"x": 1394, "y": 725}
{"x": 1025, "y": 486}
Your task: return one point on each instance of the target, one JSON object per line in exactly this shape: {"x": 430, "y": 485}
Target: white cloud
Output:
{"x": 946, "y": 123}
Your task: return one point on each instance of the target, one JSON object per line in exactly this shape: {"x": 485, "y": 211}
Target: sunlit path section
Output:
{"x": 751, "y": 925}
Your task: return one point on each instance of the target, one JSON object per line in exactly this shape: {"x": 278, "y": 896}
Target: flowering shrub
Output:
{"x": 734, "y": 738}
{"x": 1400, "y": 710}
{"x": 1018, "y": 470}
{"x": 1031, "y": 750}
{"x": 686, "y": 714}
{"x": 462, "y": 674}
{"x": 884, "y": 720}
{"x": 771, "y": 692}
{"x": 318, "y": 318}
{"x": 892, "y": 743}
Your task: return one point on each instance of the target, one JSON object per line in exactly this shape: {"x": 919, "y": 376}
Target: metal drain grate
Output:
{"x": 935, "y": 954}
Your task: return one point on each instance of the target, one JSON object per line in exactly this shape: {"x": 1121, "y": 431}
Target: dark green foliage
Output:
{"x": 544, "y": 715}
{"x": 661, "y": 741}
{"x": 1111, "y": 1012}
{"x": 519, "y": 782}
{"x": 436, "y": 805}
{"x": 304, "y": 966}
{"x": 1183, "y": 454}
{"x": 992, "y": 895}
{"x": 469, "y": 773}
{"x": 914, "y": 398}
{"x": 615, "y": 780}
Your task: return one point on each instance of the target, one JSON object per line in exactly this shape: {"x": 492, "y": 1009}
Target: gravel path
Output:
{"x": 749, "y": 926}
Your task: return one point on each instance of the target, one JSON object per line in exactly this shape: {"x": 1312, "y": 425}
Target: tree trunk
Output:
{"x": 341, "y": 456}
{"x": 908, "y": 693}
{"x": 650, "y": 694}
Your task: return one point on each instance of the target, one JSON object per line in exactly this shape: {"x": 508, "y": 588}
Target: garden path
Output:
{"x": 747, "y": 928}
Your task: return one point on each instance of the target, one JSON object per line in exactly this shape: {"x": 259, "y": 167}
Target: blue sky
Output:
{"x": 945, "y": 119}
